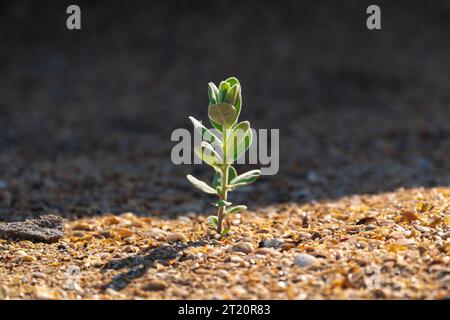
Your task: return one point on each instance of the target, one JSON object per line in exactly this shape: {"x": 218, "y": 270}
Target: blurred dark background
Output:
{"x": 86, "y": 116}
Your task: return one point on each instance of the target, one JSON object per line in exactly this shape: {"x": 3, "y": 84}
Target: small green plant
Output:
{"x": 235, "y": 138}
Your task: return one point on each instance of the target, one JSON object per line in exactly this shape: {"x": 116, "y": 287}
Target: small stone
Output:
{"x": 158, "y": 234}
{"x": 176, "y": 237}
{"x": 28, "y": 258}
{"x": 267, "y": 251}
{"x": 367, "y": 221}
{"x": 405, "y": 242}
{"x": 370, "y": 227}
{"x": 180, "y": 292}
{"x": 131, "y": 249}
{"x": 235, "y": 259}
{"x": 96, "y": 263}
{"x": 316, "y": 235}
{"x": 78, "y": 234}
{"x": 48, "y": 228}
{"x": 421, "y": 228}
{"x": 83, "y": 226}
{"x": 244, "y": 247}
{"x": 408, "y": 216}
{"x": 104, "y": 255}
{"x": 38, "y": 275}
{"x": 130, "y": 240}
{"x": 304, "y": 260}
{"x": 110, "y": 220}
{"x": 271, "y": 243}
{"x": 124, "y": 233}
{"x": 128, "y": 215}
{"x": 20, "y": 253}
{"x": 155, "y": 285}
{"x": 44, "y": 293}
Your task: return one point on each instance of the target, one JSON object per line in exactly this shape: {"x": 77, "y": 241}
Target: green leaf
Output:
{"x": 231, "y": 173}
{"x": 201, "y": 185}
{"x": 238, "y": 141}
{"x": 223, "y": 89}
{"x": 223, "y": 114}
{"x": 217, "y": 181}
{"x": 207, "y": 153}
{"x": 221, "y": 203}
{"x": 238, "y": 104}
{"x": 213, "y": 93}
{"x": 235, "y": 209}
{"x": 246, "y": 178}
{"x": 216, "y": 125}
{"x": 225, "y": 231}
{"x": 233, "y": 94}
{"x": 207, "y": 134}
{"x": 212, "y": 221}
{"x": 232, "y": 81}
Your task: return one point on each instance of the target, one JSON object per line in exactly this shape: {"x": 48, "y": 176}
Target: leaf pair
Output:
{"x": 217, "y": 180}
{"x": 224, "y": 103}
{"x": 207, "y": 153}
{"x": 244, "y": 179}
{"x": 238, "y": 141}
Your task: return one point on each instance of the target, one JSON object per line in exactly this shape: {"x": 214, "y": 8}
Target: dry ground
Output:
{"x": 390, "y": 246}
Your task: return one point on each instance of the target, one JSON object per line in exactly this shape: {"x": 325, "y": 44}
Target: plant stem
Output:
{"x": 223, "y": 195}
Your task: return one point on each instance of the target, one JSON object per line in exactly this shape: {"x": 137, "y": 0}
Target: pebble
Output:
{"x": 158, "y": 234}
{"x": 83, "y": 226}
{"x": 244, "y": 247}
{"x": 271, "y": 243}
{"x": 421, "y": 228}
{"x": 131, "y": 249}
{"x": 267, "y": 251}
{"x": 155, "y": 285}
{"x": 176, "y": 237}
{"x": 39, "y": 275}
{"x": 22, "y": 256}
{"x": 44, "y": 293}
{"x": 370, "y": 227}
{"x": 406, "y": 242}
{"x": 103, "y": 255}
{"x": 235, "y": 259}
{"x": 110, "y": 220}
{"x": 124, "y": 233}
{"x": 96, "y": 263}
{"x": 304, "y": 260}
{"x": 28, "y": 258}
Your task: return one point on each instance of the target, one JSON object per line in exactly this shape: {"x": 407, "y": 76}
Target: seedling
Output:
{"x": 235, "y": 138}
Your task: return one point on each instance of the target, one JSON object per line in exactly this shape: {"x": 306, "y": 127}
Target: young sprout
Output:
{"x": 235, "y": 138}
